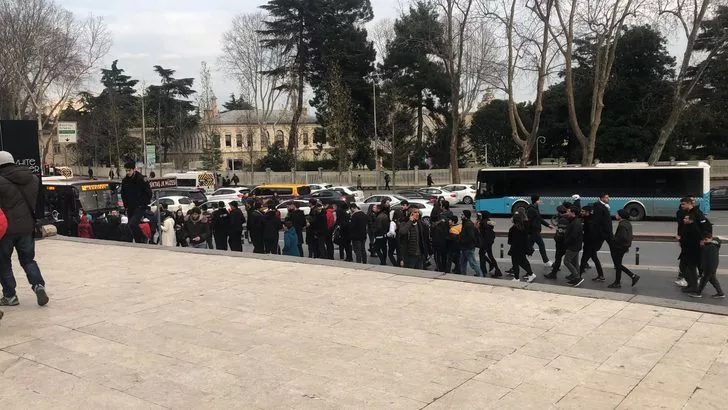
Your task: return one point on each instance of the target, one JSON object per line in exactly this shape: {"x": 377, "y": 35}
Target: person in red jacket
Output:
{"x": 85, "y": 230}
{"x": 330, "y": 223}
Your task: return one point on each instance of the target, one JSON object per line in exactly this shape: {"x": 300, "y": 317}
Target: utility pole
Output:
{"x": 144, "y": 129}
{"x": 376, "y": 150}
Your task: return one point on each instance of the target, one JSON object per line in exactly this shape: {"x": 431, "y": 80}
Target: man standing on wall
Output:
{"x": 136, "y": 194}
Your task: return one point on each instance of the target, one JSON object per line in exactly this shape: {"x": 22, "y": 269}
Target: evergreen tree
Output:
{"x": 212, "y": 154}
{"x": 490, "y": 132}
{"x": 278, "y": 159}
{"x": 236, "y": 104}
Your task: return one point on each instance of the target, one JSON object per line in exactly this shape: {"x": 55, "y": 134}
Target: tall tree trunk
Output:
{"x": 420, "y": 124}
{"x": 293, "y": 136}
{"x": 454, "y": 133}
{"x": 666, "y": 131}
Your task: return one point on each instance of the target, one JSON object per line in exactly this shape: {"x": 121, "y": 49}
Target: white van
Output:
{"x": 194, "y": 179}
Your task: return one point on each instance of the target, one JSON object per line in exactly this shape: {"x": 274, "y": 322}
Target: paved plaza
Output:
{"x": 131, "y": 327}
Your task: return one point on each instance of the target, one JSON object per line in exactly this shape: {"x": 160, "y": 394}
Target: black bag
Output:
{"x": 336, "y": 235}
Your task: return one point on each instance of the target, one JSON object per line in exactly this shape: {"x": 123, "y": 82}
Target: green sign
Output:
{"x": 151, "y": 155}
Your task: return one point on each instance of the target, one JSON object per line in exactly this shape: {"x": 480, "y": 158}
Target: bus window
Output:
{"x": 188, "y": 182}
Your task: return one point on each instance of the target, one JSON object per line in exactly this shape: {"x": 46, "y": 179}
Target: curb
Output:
{"x": 541, "y": 287}
{"x": 637, "y": 237}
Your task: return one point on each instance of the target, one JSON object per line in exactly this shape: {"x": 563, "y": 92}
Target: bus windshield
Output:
{"x": 96, "y": 199}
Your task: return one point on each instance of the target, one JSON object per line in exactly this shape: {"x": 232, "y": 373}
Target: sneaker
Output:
{"x": 576, "y": 282}
{"x": 635, "y": 279}
{"x": 510, "y": 271}
{"x": 9, "y": 301}
{"x": 497, "y": 274}
{"x": 599, "y": 279}
{"x": 681, "y": 282}
{"x": 551, "y": 276}
{"x": 515, "y": 280}
{"x": 695, "y": 295}
{"x": 40, "y": 293}
{"x": 716, "y": 296}
{"x": 548, "y": 264}
{"x": 530, "y": 278}
{"x": 615, "y": 286}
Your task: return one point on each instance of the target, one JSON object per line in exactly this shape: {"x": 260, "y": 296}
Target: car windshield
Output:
{"x": 399, "y": 197}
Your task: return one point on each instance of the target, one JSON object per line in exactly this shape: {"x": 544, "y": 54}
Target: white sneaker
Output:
{"x": 530, "y": 278}
{"x": 548, "y": 264}
{"x": 681, "y": 282}
{"x": 515, "y": 280}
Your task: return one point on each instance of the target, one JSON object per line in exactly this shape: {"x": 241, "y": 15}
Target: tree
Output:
{"x": 709, "y": 37}
{"x": 212, "y": 154}
{"x": 490, "y": 133}
{"x": 236, "y": 104}
{"x": 278, "y": 159}
{"x": 339, "y": 126}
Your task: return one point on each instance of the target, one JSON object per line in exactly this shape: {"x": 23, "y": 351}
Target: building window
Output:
{"x": 264, "y": 139}
{"x": 239, "y": 140}
{"x": 279, "y": 136}
{"x": 250, "y": 139}
{"x": 228, "y": 140}
{"x": 305, "y": 138}
{"x": 56, "y": 148}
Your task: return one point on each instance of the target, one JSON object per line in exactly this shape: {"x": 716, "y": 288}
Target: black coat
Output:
{"x": 358, "y": 226}
{"x": 18, "y": 197}
{"x": 574, "y": 235}
{"x": 271, "y": 226}
{"x": 623, "y": 236}
{"x": 518, "y": 239}
{"x": 414, "y": 238}
{"x": 440, "y": 232}
{"x": 487, "y": 233}
{"x": 342, "y": 220}
{"x": 195, "y": 229}
{"x": 237, "y": 219}
{"x": 255, "y": 224}
{"x": 221, "y": 221}
{"x": 135, "y": 192}
{"x": 468, "y": 235}
{"x": 602, "y": 222}
{"x": 535, "y": 222}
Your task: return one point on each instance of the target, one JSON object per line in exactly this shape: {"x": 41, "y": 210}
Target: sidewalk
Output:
{"x": 134, "y": 327}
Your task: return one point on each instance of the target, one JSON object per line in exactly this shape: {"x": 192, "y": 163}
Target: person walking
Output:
{"x": 298, "y": 220}
{"x": 518, "y": 240}
{"x": 535, "y": 222}
{"x": 440, "y": 233}
{"x": 469, "y": 239}
{"x": 179, "y": 225}
{"x": 573, "y": 240}
{"x": 358, "y": 226}
{"x": 271, "y": 229}
{"x": 620, "y": 246}
{"x": 290, "y": 240}
{"x": 453, "y": 246}
{"x": 136, "y": 194}
{"x": 255, "y": 228}
{"x": 602, "y": 225}
{"x": 90, "y": 173}
{"x": 358, "y": 182}
{"x": 320, "y": 230}
{"x": 709, "y": 260}
{"x": 486, "y": 227}
{"x": 370, "y": 230}
{"x": 562, "y": 222}
{"x": 237, "y": 220}
{"x": 381, "y": 228}
{"x": 592, "y": 243}
{"x": 690, "y": 255}
{"x": 414, "y": 242}
{"x": 221, "y": 226}
{"x": 18, "y": 199}
{"x": 386, "y": 181}
{"x": 429, "y": 180}
{"x": 687, "y": 207}
{"x": 235, "y": 180}
{"x": 168, "y": 236}
{"x": 111, "y": 174}
{"x": 196, "y": 230}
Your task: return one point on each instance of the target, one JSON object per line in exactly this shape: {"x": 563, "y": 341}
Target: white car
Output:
{"x": 349, "y": 190}
{"x": 439, "y": 193}
{"x": 464, "y": 193}
{"x": 302, "y": 205}
{"x": 173, "y": 203}
{"x": 319, "y": 187}
{"x": 208, "y": 206}
{"x": 394, "y": 200}
{"x": 229, "y": 194}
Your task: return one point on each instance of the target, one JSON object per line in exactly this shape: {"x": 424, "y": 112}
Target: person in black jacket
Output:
{"x": 18, "y": 198}
{"x": 710, "y": 258}
{"x": 562, "y": 222}
{"x": 690, "y": 254}
{"x": 439, "y": 232}
{"x": 271, "y": 229}
{"x": 342, "y": 222}
{"x": 601, "y": 231}
{"x": 320, "y": 230}
{"x": 370, "y": 230}
{"x": 469, "y": 239}
{"x": 592, "y": 242}
{"x": 255, "y": 228}
{"x": 687, "y": 207}
{"x": 196, "y": 230}
{"x": 221, "y": 226}
{"x": 518, "y": 239}
{"x": 298, "y": 219}
{"x": 358, "y": 227}
{"x": 414, "y": 241}
{"x": 620, "y": 246}
{"x": 381, "y": 227}
{"x": 573, "y": 239}
{"x": 136, "y": 195}
{"x": 535, "y": 222}
{"x": 237, "y": 220}
{"x": 487, "y": 239}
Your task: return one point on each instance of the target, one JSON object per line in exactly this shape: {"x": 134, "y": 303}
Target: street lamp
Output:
{"x": 539, "y": 140}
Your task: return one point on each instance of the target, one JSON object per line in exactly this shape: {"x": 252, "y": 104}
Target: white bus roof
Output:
{"x": 602, "y": 166}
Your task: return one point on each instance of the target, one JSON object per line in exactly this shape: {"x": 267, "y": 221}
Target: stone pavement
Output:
{"x": 144, "y": 328}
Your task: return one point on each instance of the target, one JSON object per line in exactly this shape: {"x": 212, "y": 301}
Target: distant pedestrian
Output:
{"x": 710, "y": 259}
{"x": 429, "y": 180}
{"x": 84, "y": 228}
{"x": 358, "y": 227}
{"x": 573, "y": 240}
{"x": 370, "y": 230}
{"x": 298, "y": 220}
{"x": 90, "y": 173}
{"x": 620, "y": 246}
{"x": 235, "y": 180}
{"x": 535, "y": 222}
{"x": 342, "y": 224}
{"x": 487, "y": 238}
{"x": 469, "y": 240}
{"x": 221, "y": 226}
{"x": 237, "y": 220}
{"x": 152, "y": 174}
{"x": 255, "y": 228}
{"x": 196, "y": 230}
{"x": 111, "y": 174}
{"x": 381, "y": 228}
{"x": 358, "y": 182}
{"x": 518, "y": 240}
{"x": 290, "y": 240}
{"x": 386, "y": 181}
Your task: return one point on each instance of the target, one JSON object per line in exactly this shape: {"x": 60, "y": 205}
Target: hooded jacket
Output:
{"x": 18, "y": 198}
{"x": 290, "y": 243}
{"x": 135, "y": 192}
{"x": 84, "y": 228}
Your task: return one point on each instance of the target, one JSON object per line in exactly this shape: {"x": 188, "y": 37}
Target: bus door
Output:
{"x": 59, "y": 204}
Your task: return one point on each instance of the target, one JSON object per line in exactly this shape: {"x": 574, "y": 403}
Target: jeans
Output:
{"x": 709, "y": 276}
{"x": 537, "y": 239}
{"x": 560, "y": 252}
{"x": 571, "y": 261}
{"x": 414, "y": 261}
{"x": 380, "y": 246}
{"x": 359, "y": 251}
{"x": 25, "y": 245}
{"x": 690, "y": 274}
{"x": 617, "y": 258}
{"x": 467, "y": 257}
{"x": 453, "y": 257}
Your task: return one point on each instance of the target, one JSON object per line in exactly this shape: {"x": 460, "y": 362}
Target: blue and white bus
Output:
{"x": 643, "y": 190}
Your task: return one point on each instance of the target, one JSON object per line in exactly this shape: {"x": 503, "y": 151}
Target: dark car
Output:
{"x": 719, "y": 198}
{"x": 417, "y": 195}
{"x": 197, "y": 195}
{"x": 332, "y": 196}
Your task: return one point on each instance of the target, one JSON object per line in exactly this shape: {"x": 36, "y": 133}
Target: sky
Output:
{"x": 175, "y": 34}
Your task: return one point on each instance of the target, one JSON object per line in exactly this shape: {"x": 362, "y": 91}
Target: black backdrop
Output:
{"x": 20, "y": 138}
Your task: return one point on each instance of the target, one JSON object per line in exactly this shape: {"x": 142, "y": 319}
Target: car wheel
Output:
{"x": 636, "y": 212}
{"x": 468, "y": 200}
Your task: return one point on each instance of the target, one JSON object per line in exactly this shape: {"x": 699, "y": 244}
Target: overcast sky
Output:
{"x": 175, "y": 34}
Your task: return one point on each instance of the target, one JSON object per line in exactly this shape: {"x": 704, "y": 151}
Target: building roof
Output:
{"x": 250, "y": 117}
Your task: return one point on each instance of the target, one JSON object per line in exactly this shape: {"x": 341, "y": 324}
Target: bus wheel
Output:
{"x": 519, "y": 204}
{"x": 468, "y": 200}
{"x": 636, "y": 212}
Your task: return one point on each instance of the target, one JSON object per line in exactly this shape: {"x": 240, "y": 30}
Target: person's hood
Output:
{"x": 16, "y": 174}
{"x": 84, "y": 219}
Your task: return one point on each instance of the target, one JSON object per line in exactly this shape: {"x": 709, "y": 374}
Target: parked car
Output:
{"x": 173, "y": 203}
{"x": 425, "y": 210}
{"x": 719, "y": 198}
{"x": 349, "y": 190}
{"x": 229, "y": 193}
{"x": 302, "y": 205}
{"x": 283, "y": 191}
{"x": 440, "y": 193}
{"x": 319, "y": 187}
{"x": 331, "y": 196}
{"x": 208, "y": 206}
{"x": 464, "y": 193}
{"x": 394, "y": 200}
{"x": 196, "y": 194}
{"x": 417, "y": 195}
